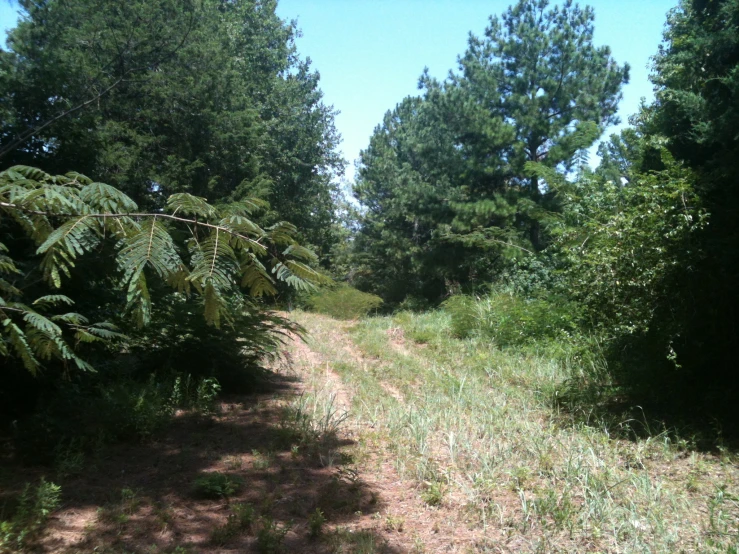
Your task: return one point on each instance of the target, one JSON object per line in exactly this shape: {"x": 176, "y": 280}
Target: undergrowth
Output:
{"x": 480, "y": 428}
{"x": 29, "y": 516}
{"x": 344, "y": 302}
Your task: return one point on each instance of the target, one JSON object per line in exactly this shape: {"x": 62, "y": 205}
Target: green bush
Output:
{"x": 216, "y": 485}
{"x": 509, "y": 319}
{"x": 344, "y": 302}
{"x": 34, "y": 506}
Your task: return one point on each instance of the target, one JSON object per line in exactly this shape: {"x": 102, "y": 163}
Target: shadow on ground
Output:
{"x": 141, "y": 498}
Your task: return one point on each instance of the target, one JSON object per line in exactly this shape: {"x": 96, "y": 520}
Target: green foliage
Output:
{"x": 34, "y": 506}
{"x": 199, "y": 395}
{"x": 165, "y": 97}
{"x": 433, "y": 495}
{"x": 695, "y": 114}
{"x": 316, "y": 521}
{"x": 270, "y": 536}
{"x": 210, "y": 258}
{"x": 449, "y": 199}
{"x": 216, "y": 485}
{"x": 77, "y": 419}
{"x": 625, "y": 245}
{"x": 509, "y": 319}
{"x": 179, "y": 340}
{"x": 344, "y": 302}
{"x": 240, "y": 520}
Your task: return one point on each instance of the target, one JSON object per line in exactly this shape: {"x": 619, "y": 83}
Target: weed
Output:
{"x": 262, "y": 461}
{"x": 434, "y": 493}
{"x": 394, "y": 523}
{"x": 344, "y": 302}
{"x": 34, "y": 506}
{"x": 243, "y": 514}
{"x": 216, "y": 485}
{"x": 557, "y": 506}
{"x": 270, "y": 536}
{"x": 240, "y": 520}
{"x": 234, "y": 463}
{"x": 520, "y": 477}
{"x": 359, "y": 542}
{"x": 316, "y": 520}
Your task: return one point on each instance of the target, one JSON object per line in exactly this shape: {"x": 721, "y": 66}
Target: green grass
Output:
{"x": 480, "y": 420}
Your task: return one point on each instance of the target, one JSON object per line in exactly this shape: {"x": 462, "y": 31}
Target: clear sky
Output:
{"x": 370, "y": 53}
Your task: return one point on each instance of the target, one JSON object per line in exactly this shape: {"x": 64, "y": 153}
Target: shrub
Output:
{"x": 80, "y": 417}
{"x": 270, "y": 537}
{"x": 344, "y": 302}
{"x": 509, "y": 319}
{"x": 239, "y": 521}
{"x": 217, "y": 485}
{"x": 316, "y": 520}
{"x": 34, "y": 506}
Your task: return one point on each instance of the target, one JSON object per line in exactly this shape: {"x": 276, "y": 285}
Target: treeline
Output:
{"x": 167, "y": 167}
{"x": 480, "y": 186}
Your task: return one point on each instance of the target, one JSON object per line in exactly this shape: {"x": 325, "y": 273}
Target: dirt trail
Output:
{"x": 406, "y": 522}
{"x": 139, "y": 498}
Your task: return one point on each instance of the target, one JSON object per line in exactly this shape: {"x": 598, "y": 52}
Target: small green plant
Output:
{"x": 316, "y": 520}
{"x": 195, "y": 394}
{"x": 394, "y": 523}
{"x": 344, "y": 302}
{"x": 312, "y": 419}
{"x": 120, "y": 512}
{"x": 234, "y": 463}
{"x": 434, "y": 493}
{"x": 243, "y": 514}
{"x": 217, "y": 485}
{"x": 270, "y": 536}
{"x": 356, "y": 542}
{"x": 34, "y": 506}
{"x": 240, "y": 520}
{"x": 262, "y": 461}
{"x": 557, "y": 506}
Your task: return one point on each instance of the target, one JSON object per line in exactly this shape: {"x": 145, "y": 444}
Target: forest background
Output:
{"x": 188, "y": 183}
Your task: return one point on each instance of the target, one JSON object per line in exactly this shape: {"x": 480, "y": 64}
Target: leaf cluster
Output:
{"x": 192, "y": 246}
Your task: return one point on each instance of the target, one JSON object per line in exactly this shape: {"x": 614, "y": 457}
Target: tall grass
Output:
{"x": 344, "y": 302}
{"x": 477, "y": 422}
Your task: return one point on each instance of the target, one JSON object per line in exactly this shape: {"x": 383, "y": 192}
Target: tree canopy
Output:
{"x": 445, "y": 178}
{"x": 203, "y": 96}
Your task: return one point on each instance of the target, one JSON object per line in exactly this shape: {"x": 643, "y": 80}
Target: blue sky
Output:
{"x": 370, "y": 53}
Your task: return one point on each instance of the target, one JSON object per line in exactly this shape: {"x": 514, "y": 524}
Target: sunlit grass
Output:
{"x": 478, "y": 423}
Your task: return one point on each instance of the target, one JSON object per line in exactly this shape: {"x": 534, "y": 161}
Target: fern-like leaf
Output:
{"x": 301, "y": 253}
{"x": 53, "y": 300}
{"x": 255, "y": 278}
{"x": 17, "y": 339}
{"x": 151, "y": 246}
{"x": 282, "y": 233}
{"x": 103, "y": 198}
{"x": 186, "y": 204}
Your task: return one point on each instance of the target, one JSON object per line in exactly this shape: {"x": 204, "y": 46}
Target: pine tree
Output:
{"x": 454, "y": 182}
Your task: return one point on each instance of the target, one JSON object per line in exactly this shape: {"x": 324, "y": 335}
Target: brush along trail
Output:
{"x": 466, "y": 450}
{"x": 387, "y": 435}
